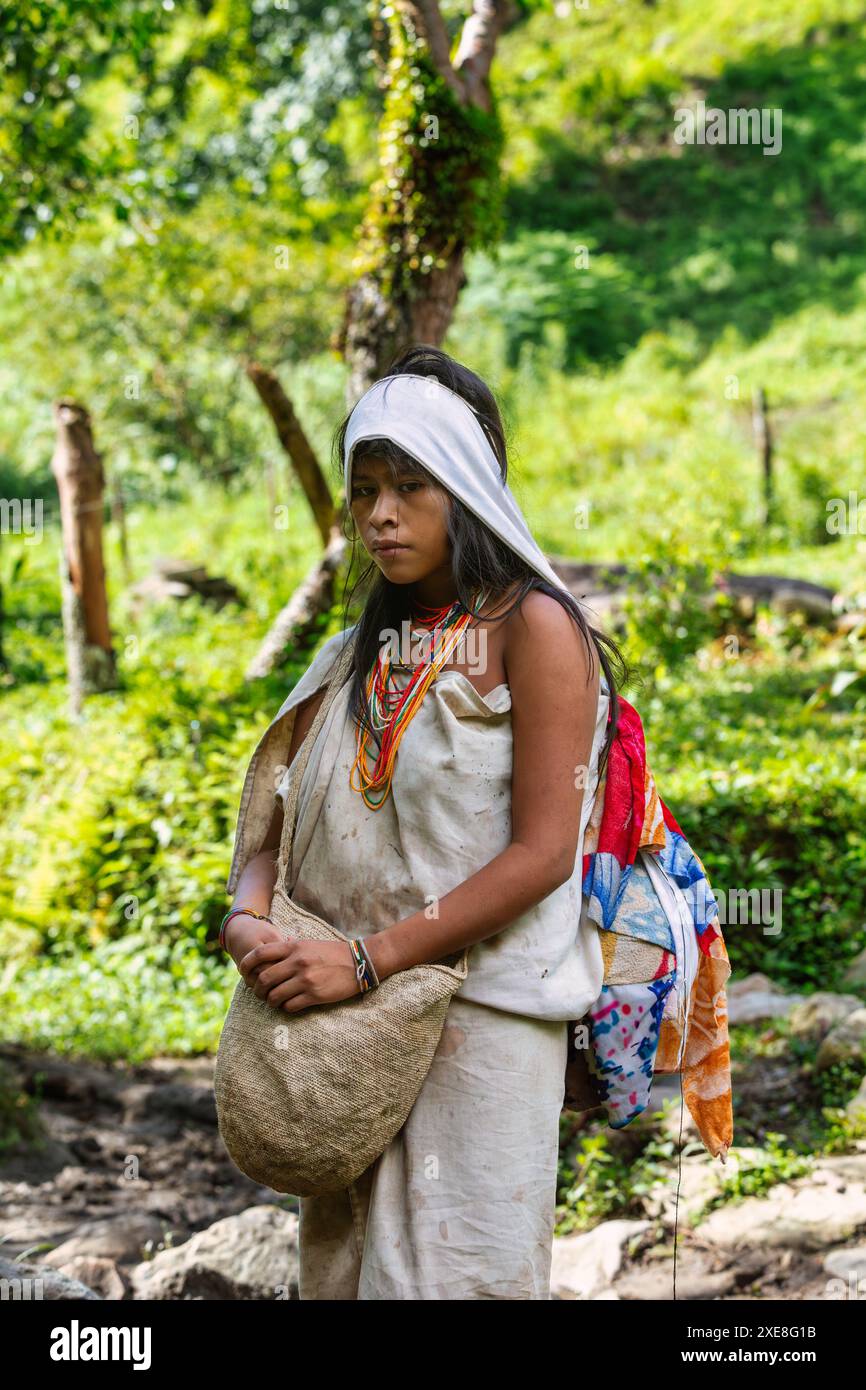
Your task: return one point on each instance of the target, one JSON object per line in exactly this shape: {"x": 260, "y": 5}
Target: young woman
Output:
{"x": 443, "y": 806}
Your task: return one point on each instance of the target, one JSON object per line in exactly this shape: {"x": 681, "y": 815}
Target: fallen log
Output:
{"x": 178, "y": 579}
{"x": 601, "y": 586}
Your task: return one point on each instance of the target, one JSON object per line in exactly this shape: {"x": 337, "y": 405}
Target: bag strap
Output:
{"x": 299, "y": 764}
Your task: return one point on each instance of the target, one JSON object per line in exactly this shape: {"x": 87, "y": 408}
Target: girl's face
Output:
{"x": 412, "y": 512}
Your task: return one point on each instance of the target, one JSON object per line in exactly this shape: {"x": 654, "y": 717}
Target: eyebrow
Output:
{"x": 361, "y": 473}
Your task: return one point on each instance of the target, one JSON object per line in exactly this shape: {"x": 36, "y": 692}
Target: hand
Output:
{"x": 243, "y": 933}
{"x": 292, "y": 975}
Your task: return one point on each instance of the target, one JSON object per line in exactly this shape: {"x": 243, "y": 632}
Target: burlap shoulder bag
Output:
{"x": 307, "y": 1101}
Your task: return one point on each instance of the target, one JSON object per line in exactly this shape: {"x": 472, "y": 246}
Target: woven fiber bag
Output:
{"x": 307, "y": 1101}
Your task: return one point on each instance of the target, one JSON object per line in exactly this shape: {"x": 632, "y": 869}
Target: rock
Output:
{"x": 856, "y": 972}
{"x": 702, "y": 1179}
{"x": 757, "y": 997}
{"x": 819, "y": 1012}
{"x": 850, "y": 1260}
{"x": 585, "y": 1265}
{"x": 121, "y": 1238}
{"x": 73, "y": 1178}
{"x": 24, "y": 1163}
{"x": 177, "y": 1101}
{"x": 27, "y": 1281}
{"x": 828, "y": 1207}
{"x": 750, "y": 1008}
{"x": 102, "y": 1276}
{"x": 756, "y": 983}
{"x": 656, "y": 1283}
{"x": 847, "y": 1270}
{"x": 846, "y": 1041}
{"x": 253, "y": 1255}
{"x": 858, "y": 1101}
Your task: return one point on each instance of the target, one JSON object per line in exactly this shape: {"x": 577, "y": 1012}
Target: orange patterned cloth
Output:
{"x": 663, "y": 1006}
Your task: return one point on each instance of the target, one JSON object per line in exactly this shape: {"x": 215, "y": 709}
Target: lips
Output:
{"x": 388, "y": 547}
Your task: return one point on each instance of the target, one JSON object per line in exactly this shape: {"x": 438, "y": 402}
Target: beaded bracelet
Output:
{"x": 239, "y": 912}
{"x": 364, "y": 969}
{"x": 362, "y": 946}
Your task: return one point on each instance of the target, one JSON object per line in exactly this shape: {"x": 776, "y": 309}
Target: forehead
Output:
{"x": 374, "y": 466}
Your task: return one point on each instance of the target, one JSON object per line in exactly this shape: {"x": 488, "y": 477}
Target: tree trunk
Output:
{"x": 80, "y": 481}
{"x": 378, "y": 330}
{"x": 118, "y": 513}
{"x": 293, "y": 439}
{"x": 764, "y": 444}
{"x": 314, "y": 596}
{"x": 438, "y": 194}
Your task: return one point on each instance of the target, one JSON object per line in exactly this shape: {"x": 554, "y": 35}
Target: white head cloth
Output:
{"x": 439, "y": 429}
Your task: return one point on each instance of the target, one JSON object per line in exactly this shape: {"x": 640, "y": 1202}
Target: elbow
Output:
{"x": 552, "y": 866}
{"x": 562, "y": 869}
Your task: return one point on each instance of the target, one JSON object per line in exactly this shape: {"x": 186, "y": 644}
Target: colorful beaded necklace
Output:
{"x": 392, "y": 708}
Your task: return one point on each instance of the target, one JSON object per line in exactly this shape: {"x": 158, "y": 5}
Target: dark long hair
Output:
{"x": 478, "y": 557}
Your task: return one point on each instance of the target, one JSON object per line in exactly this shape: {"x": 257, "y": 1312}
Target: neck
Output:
{"x": 434, "y": 591}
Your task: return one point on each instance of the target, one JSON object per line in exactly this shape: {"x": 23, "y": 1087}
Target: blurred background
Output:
{"x": 219, "y": 222}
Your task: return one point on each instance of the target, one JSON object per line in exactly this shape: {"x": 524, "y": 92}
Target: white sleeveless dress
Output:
{"x": 461, "y": 1203}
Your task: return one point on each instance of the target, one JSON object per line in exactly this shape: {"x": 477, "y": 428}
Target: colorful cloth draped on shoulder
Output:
{"x": 663, "y": 1006}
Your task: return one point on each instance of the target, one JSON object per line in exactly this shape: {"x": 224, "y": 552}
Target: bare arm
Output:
{"x": 554, "y": 709}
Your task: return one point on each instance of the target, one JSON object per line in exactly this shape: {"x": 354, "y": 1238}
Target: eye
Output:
{"x": 413, "y": 485}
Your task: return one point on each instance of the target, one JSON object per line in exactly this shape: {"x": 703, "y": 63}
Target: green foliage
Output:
{"x": 144, "y": 109}
{"x": 129, "y": 999}
{"x": 600, "y": 1180}
{"x": 19, "y": 1114}
{"x": 672, "y": 607}
{"x": 772, "y": 797}
{"x": 51, "y": 56}
{"x": 839, "y": 1082}
{"x": 548, "y": 287}
{"x": 754, "y": 1177}
{"x": 715, "y": 234}
{"x": 844, "y": 1132}
{"x": 439, "y": 186}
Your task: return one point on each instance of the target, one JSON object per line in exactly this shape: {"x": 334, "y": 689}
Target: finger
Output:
{"x": 271, "y": 974}
{"x": 264, "y": 954}
{"x": 287, "y": 989}
{"x": 299, "y": 1002}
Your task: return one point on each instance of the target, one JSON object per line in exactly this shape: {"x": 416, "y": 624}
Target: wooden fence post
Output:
{"x": 764, "y": 443}
{"x": 80, "y": 481}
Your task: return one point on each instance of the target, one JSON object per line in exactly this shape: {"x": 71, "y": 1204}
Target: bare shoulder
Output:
{"x": 542, "y": 636}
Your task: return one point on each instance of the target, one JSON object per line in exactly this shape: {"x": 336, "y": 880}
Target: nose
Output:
{"x": 385, "y": 508}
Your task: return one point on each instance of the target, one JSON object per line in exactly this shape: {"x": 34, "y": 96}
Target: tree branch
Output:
{"x": 478, "y": 40}
{"x": 427, "y": 20}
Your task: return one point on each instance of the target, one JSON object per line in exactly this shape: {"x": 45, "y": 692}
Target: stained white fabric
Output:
{"x": 448, "y": 814}
{"x": 439, "y": 429}
{"x": 461, "y": 1204}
